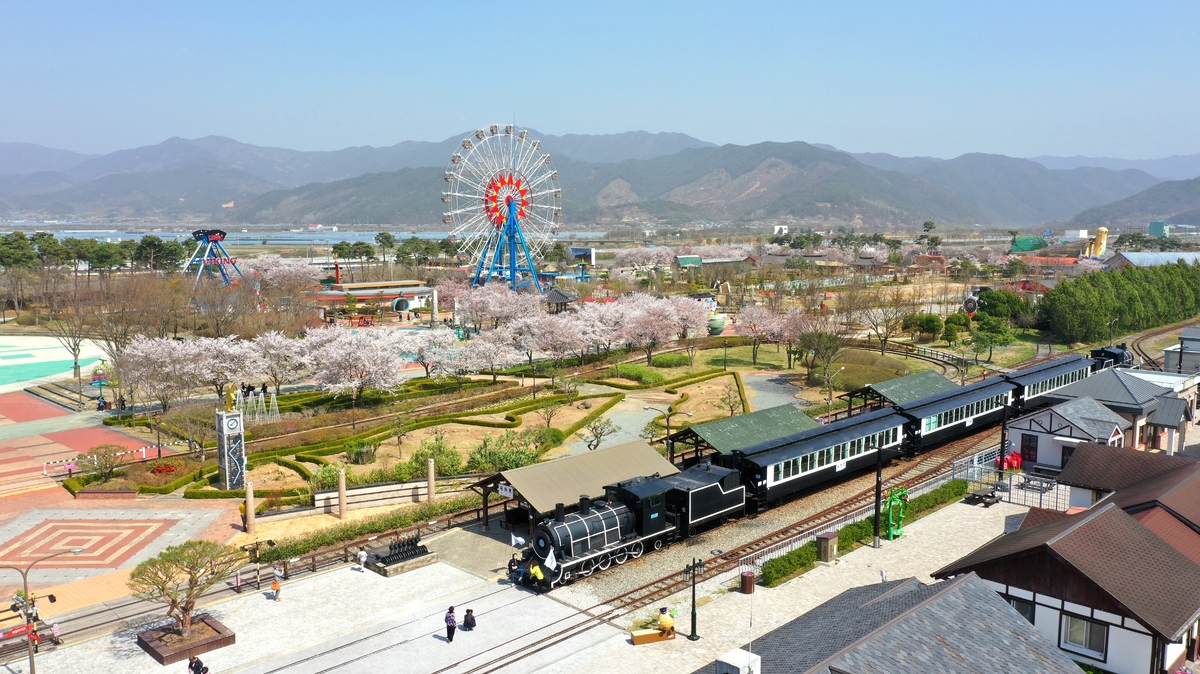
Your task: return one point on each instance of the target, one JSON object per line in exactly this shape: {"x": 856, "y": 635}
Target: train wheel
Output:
{"x": 605, "y": 562}
{"x": 724, "y": 521}
{"x": 691, "y": 531}
{"x": 620, "y": 556}
{"x": 637, "y": 550}
{"x": 658, "y": 544}
{"x": 585, "y": 569}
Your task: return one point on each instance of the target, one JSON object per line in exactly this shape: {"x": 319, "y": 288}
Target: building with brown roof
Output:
{"x": 1047, "y": 437}
{"x": 1100, "y": 584}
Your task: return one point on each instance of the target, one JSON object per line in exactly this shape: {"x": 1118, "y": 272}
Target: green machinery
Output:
{"x": 895, "y": 505}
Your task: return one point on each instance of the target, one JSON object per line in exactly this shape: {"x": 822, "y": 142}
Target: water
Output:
{"x": 270, "y": 235}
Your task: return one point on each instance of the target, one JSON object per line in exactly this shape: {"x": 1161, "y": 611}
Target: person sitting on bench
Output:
{"x": 666, "y": 623}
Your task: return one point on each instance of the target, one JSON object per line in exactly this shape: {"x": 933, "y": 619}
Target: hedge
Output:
{"x": 177, "y": 484}
{"x": 639, "y": 373}
{"x": 670, "y": 360}
{"x": 667, "y": 382}
{"x": 592, "y": 416}
{"x": 74, "y": 484}
{"x": 295, "y": 547}
{"x": 802, "y": 558}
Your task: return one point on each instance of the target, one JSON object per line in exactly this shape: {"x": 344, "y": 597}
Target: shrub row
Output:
{"x": 177, "y": 484}
{"x": 681, "y": 380}
{"x": 343, "y": 533}
{"x": 802, "y": 558}
{"x": 592, "y": 416}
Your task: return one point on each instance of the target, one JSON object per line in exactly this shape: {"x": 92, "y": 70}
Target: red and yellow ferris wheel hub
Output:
{"x": 502, "y": 188}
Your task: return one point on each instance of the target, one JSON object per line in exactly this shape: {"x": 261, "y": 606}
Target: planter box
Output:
{"x": 116, "y": 494}
{"x": 166, "y": 655}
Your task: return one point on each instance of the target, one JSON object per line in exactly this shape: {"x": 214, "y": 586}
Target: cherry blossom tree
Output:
{"x": 791, "y": 329}
{"x": 690, "y": 316}
{"x": 493, "y": 350}
{"x": 649, "y": 322}
{"x": 557, "y": 335}
{"x": 220, "y": 361}
{"x": 279, "y": 358}
{"x": 757, "y": 323}
{"x": 457, "y": 362}
{"x": 161, "y": 370}
{"x": 600, "y": 324}
{"x": 423, "y": 346}
{"x": 351, "y": 362}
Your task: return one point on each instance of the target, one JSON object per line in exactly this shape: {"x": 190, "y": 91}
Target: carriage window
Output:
{"x": 778, "y": 471}
{"x": 795, "y": 466}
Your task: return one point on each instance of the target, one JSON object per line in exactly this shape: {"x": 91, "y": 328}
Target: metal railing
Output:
{"x": 755, "y": 560}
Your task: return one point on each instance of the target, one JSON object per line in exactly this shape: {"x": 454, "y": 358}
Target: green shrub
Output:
{"x": 670, "y": 360}
{"x": 446, "y": 459}
{"x": 360, "y": 453}
{"x": 800, "y": 559}
{"x": 505, "y": 452}
{"x": 638, "y": 373}
{"x": 74, "y": 484}
{"x": 295, "y": 547}
{"x": 547, "y": 438}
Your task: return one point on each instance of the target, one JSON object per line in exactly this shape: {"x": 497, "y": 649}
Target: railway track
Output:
{"x": 928, "y": 466}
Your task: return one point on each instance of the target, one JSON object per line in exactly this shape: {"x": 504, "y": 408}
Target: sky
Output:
{"x": 915, "y": 78}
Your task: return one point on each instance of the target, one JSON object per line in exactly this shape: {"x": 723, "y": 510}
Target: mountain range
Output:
{"x": 604, "y": 177}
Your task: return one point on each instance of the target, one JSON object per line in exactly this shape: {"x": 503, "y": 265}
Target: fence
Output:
{"x": 754, "y": 561}
{"x": 1019, "y": 488}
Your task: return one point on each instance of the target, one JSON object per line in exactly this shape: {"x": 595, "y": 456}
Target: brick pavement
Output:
{"x": 19, "y": 406}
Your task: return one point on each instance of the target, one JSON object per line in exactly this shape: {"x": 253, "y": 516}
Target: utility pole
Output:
{"x": 878, "y": 489}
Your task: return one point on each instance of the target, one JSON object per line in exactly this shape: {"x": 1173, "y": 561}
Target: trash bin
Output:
{"x": 748, "y": 582}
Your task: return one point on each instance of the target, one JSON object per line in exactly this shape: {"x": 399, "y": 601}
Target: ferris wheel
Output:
{"x": 503, "y": 198}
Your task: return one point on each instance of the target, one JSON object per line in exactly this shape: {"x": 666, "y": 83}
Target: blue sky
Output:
{"x": 940, "y": 79}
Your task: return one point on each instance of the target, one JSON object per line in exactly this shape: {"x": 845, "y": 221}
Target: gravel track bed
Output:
{"x": 618, "y": 580}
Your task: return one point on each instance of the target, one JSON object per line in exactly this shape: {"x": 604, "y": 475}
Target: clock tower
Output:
{"x": 231, "y": 450}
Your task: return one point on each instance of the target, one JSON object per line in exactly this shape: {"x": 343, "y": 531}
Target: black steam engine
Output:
{"x": 641, "y": 513}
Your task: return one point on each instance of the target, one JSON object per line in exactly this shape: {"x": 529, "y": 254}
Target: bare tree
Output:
{"x": 730, "y": 399}
{"x": 885, "y": 315}
{"x": 548, "y": 412}
{"x": 70, "y": 329}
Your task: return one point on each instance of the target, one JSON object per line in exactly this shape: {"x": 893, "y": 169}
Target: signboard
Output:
{"x": 231, "y": 450}
{"x": 16, "y": 631}
{"x": 505, "y": 490}
{"x": 840, "y": 465}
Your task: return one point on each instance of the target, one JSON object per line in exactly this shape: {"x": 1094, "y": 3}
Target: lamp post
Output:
{"x": 1110, "y": 327}
{"x": 668, "y": 413}
{"x": 29, "y": 599}
{"x": 725, "y": 364}
{"x": 829, "y": 408}
{"x": 692, "y": 570}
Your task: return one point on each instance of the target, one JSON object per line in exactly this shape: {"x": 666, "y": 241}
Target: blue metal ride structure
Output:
{"x": 210, "y": 256}
{"x": 507, "y": 234}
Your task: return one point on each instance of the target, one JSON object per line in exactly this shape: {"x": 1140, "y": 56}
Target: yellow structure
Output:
{"x": 1098, "y": 244}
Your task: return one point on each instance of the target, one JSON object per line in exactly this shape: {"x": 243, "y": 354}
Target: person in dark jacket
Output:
{"x": 468, "y": 623}
{"x": 195, "y": 666}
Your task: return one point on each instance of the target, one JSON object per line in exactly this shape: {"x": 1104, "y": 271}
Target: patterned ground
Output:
{"x": 107, "y": 544}
{"x": 22, "y": 459}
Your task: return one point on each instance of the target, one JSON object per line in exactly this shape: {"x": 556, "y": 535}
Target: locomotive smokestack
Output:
{"x": 560, "y": 513}
{"x": 585, "y": 505}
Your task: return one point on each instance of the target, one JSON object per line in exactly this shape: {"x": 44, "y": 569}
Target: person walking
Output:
{"x": 451, "y": 623}
{"x": 277, "y": 583}
{"x": 264, "y": 389}
{"x": 362, "y": 560}
{"x": 469, "y": 620}
{"x": 195, "y": 666}
{"x": 242, "y": 510}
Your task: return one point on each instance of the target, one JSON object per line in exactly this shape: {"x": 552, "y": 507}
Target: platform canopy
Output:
{"x": 746, "y": 430}
{"x": 564, "y": 480}
{"x": 901, "y": 390}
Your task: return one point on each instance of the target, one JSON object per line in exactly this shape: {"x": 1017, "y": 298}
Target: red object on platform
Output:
{"x": 1011, "y": 462}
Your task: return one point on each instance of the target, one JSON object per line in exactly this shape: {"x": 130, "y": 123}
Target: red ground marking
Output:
{"x": 107, "y": 543}
{"x": 19, "y": 406}
{"x": 83, "y": 439}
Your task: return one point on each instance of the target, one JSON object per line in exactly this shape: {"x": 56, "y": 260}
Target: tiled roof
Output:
{"x": 755, "y": 428}
{"x": 1172, "y": 530}
{"x": 1091, "y": 417}
{"x": 1114, "y": 388}
{"x": 1107, "y": 468}
{"x": 907, "y": 627}
{"x": 1037, "y": 516}
{"x": 558, "y": 296}
{"x": 1190, "y": 333}
{"x": 906, "y": 389}
{"x": 1113, "y": 551}
{"x": 1179, "y": 491}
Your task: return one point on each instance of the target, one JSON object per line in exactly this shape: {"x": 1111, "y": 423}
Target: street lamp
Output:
{"x": 1110, "y": 327}
{"x": 29, "y": 599}
{"x": 878, "y": 486}
{"x": 725, "y": 366}
{"x": 692, "y": 570}
{"x": 668, "y": 413}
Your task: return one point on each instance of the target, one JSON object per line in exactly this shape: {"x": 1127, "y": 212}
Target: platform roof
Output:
{"x": 564, "y": 480}
{"x": 912, "y": 387}
{"x": 757, "y": 428}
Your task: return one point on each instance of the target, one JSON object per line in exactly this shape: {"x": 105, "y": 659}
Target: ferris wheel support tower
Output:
{"x": 513, "y": 238}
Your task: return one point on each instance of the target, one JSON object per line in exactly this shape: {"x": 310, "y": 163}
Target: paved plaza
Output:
{"x": 350, "y": 621}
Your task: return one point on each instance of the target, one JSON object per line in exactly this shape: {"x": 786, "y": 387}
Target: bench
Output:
{"x": 986, "y": 496}
{"x": 650, "y": 636}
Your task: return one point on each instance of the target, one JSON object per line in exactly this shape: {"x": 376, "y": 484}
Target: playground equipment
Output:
{"x": 504, "y": 198}
{"x": 211, "y": 257}
{"x": 255, "y": 409}
{"x": 895, "y": 506}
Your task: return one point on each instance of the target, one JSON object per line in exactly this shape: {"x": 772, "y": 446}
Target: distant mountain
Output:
{"x": 183, "y": 190}
{"x": 890, "y": 162}
{"x": 1175, "y": 167}
{"x": 17, "y": 158}
{"x": 292, "y": 168}
{"x": 407, "y": 196}
{"x": 34, "y": 183}
{"x": 1175, "y": 201}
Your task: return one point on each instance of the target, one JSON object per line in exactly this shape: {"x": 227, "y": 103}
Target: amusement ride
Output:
{"x": 503, "y": 198}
